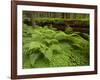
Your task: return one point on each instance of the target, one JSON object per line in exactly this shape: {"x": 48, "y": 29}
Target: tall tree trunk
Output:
{"x": 33, "y": 19}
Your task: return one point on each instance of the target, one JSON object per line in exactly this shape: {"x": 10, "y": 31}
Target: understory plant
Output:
{"x": 48, "y": 47}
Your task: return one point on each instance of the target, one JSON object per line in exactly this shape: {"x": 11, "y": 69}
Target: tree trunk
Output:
{"x": 33, "y": 19}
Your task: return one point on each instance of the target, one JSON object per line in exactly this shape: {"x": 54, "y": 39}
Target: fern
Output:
{"x": 47, "y": 47}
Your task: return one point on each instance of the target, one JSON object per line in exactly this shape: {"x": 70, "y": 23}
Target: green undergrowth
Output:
{"x": 70, "y": 22}
{"x": 48, "y": 47}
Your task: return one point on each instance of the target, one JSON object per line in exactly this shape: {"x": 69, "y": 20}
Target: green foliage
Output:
{"x": 68, "y": 30}
{"x": 47, "y": 47}
{"x": 49, "y": 20}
